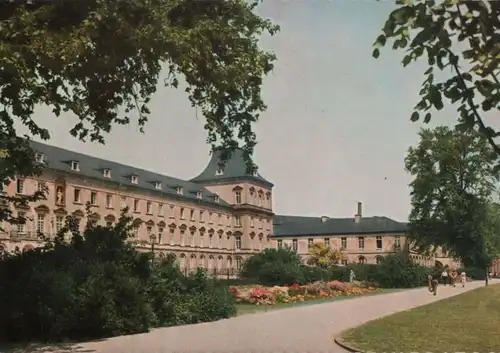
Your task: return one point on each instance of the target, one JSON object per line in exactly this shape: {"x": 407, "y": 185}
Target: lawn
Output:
{"x": 464, "y": 323}
{"x": 243, "y": 309}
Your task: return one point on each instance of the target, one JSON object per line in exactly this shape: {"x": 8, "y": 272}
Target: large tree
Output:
{"x": 460, "y": 41}
{"x": 454, "y": 178}
{"x": 99, "y": 58}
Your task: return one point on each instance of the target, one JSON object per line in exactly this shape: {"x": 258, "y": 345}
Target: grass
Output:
{"x": 243, "y": 309}
{"x": 464, "y": 323}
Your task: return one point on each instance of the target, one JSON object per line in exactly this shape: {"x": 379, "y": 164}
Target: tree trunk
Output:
{"x": 487, "y": 276}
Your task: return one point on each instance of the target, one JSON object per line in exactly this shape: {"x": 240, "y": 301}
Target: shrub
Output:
{"x": 474, "y": 273}
{"x": 397, "y": 272}
{"x": 253, "y": 266}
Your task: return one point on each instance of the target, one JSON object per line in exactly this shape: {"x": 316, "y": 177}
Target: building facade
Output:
{"x": 215, "y": 220}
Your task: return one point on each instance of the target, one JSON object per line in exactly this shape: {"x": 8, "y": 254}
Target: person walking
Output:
{"x": 444, "y": 276}
{"x": 453, "y": 277}
{"x": 463, "y": 278}
{"x": 433, "y": 284}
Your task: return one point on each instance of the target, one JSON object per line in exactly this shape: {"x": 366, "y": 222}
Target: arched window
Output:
{"x": 362, "y": 260}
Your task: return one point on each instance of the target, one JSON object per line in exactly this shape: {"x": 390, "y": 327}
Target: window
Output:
{"x": 136, "y": 205}
{"x": 182, "y": 213}
{"x": 251, "y": 222}
{"x": 40, "y": 223}
{"x": 216, "y": 198}
{"x": 20, "y": 226}
{"x": 106, "y": 173}
{"x": 237, "y": 221}
{"x": 280, "y": 244}
{"x": 179, "y": 190}
{"x": 238, "y": 242}
{"x": 378, "y": 259}
{"x": 134, "y": 179}
{"x": 77, "y": 195}
{"x": 136, "y": 231}
{"x": 361, "y": 242}
{"x": 149, "y": 207}
{"x": 327, "y": 242}
{"x": 237, "y": 197}
{"x": 210, "y": 236}
{"x": 123, "y": 202}
{"x": 295, "y": 245}
{"x": 260, "y": 223}
{"x": 39, "y": 157}
{"x": 172, "y": 235}
{"x": 260, "y": 200}
{"x": 59, "y": 223}
{"x": 109, "y": 201}
{"x": 182, "y": 238}
{"x": 172, "y": 211}
{"x": 160, "y": 235}
{"x": 109, "y": 224}
{"x": 343, "y": 243}
{"x": 252, "y": 196}
{"x": 199, "y": 195}
{"x": 379, "y": 242}
{"x": 228, "y": 218}
{"x": 202, "y": 216}
{"x": 149, "y": 231}
{"x": 397, "y": 242}
{"x": 310, "y": 242}
{"x": 268, "y": 224}
{"x": 344, "y": 262}
{"x": 210, "y": 218}
{"x": 160, "y": 209}
{"x": 41, "y": 187}
{"x": 20, "y": 186}
{"x": 158, "y": 186}
{"x": 191, "y": 216}
{"x": 75, "y": 166}
{"x": 238, "y": 263}
{"x": 255, "y": 173}
{"x": 93, "y": 198}
{"x": 219, "y": 171}
{"x": 219, "y": 216}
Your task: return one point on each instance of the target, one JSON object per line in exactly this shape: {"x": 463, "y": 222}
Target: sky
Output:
{"x": 337, "y": 126}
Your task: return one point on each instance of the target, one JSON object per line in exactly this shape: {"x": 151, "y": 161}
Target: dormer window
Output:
{"x": 158, "y": 185}
{"x": 255, "y": 173}
{"x": 39, "y": 157}
{"x": 219, "y": 171}
{"x": 134, "y": 179}
{"x": 75, "y": 166}
{"x": 199, "y": 195}
{"x": 106, "y": 173}
{"x": 216, "y": 198}
{"x": 179, "y": 190}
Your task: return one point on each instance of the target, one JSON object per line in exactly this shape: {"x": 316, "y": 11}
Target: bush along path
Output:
{"x": 299, "y": 329}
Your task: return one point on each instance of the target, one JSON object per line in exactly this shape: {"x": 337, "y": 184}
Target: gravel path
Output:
{"x": 299, "y": 329}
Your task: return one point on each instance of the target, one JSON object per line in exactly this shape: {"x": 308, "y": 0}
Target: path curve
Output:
{"x": 300, "y": 329}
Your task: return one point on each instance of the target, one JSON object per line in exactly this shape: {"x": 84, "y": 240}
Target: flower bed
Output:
{"x": 295, "y": 293}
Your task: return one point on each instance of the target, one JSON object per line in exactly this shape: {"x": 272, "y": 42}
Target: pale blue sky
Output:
{"x": 337, "y": 123}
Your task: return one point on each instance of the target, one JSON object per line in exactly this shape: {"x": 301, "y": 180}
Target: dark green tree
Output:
{"x": 460, "y": 41}
{"x": 454, "y": 177}
{"x": 97, "y": 58}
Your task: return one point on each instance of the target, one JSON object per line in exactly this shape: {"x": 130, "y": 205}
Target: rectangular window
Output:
{"x": 149, "y": 208}
{"x": 237, "y": 197}
{"x": 237, "y": 221}
{"x": 182, "y": 213}
{"x": 295, "y": 245}
{"x": 202, "y": 216}
{"x": 238, "y": 242}
{"x": 20, "y": 226}
{"x": 77, "y": 195}
{"x": 41, "y": 187}
{"x": 109, "y": 201}
{"x": 343, "y": 243}
{"x": 160, "y": 235}
{"x": 220, "y": 219}
{"x": 149, "y": 231}
{"x": 280, "y": 244}
{"x": 327, "y": 242}
{"x": 136, "y": 205}
{"x": 172, "y": 211}
{"x": 379, "y": 243}
{"x": 397, "y": 242}
{"x": 93, "y": 198}
{"x": 251, "y": 222}
{"x": 160, "y": 209}
{"x": 210, "y": 218}
{"x": 191, "y": 216}
{"x": 228, "y": 220}
{"x": 172, "y": 236}
{"x": 310, "y": 242}
{"x": 123, "y": 202}
{"x": 182, "y": 238}
{"x": 20, "y": 186}
{"x": 136, "y": 231}
{"x": 59, "y": 223}
{"x": 361, "y": 242}
{"x": 40, "y": 223}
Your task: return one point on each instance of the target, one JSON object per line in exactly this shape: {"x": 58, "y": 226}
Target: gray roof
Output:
{"x": 235, "y": 168}
{"x": 303, "y": 226}
{"x": 60, "y": 159}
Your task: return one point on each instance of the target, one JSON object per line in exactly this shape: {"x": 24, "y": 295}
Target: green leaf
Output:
{"x": 376, "y": 53}
{"x": 406, "y": 60}
{"x": 414, "y": 117}
{"x": 427, "y": 118}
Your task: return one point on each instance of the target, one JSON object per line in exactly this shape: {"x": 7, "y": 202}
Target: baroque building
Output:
{"x": 215, "y": 220}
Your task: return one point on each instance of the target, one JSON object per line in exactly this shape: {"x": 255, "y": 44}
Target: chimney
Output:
{"x": 359, "y": 215}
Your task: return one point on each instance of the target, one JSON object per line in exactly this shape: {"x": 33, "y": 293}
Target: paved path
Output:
{"x": 300, "y": 329}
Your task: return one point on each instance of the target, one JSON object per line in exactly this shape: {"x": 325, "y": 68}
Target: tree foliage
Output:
{"x": 461, "y": 37}
{"x": 323, "y": 256}
{"x": 454, "y": 177}
{"x": 96, "y": 59}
